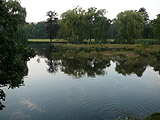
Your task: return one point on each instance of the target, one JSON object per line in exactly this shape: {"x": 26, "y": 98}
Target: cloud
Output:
{"x": 32, "y": 106}
{"x": 19, "y": 116}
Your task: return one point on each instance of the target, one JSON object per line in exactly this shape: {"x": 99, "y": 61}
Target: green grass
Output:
{"x": 46, "y": 40}
{"x": 62, "y": 40}
{"x": 137, "y": 41}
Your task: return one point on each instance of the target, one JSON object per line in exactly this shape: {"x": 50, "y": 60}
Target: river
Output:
{"x": 70, "y": 90}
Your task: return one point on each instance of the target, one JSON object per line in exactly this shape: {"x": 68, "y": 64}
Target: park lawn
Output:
{"x": 62, "y": 40}
{"x": 46, "y": 40}
{"x": 137, "y": 41}
{"x": 54, "y": 40}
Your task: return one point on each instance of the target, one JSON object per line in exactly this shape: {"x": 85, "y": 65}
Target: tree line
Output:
{"x": 78, "y": 24}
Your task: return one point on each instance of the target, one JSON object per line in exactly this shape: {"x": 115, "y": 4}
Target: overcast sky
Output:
{"x": 36, "y": 9}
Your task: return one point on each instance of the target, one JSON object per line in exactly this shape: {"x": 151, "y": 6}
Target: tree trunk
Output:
{"x": 50, "y": 41}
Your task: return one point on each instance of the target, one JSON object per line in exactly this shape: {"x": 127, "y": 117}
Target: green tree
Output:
{"x": 101, "y": 26}
{"x": 113, "y": 29}
{"x": 72, "y": 24}
{"x": 90, "y": 22}
{"x": 130, "y": 26}
{"x": 35, "y": 30}
{"x": 17, "y": 14}
{"x": 144, "y": 15}
{"x": 156, "y": 23}
{"x": 52, "y": 26}
{"x": 78, "y": 24}
{"x": 148, "y": 30}
{"x": 13, "y": 56}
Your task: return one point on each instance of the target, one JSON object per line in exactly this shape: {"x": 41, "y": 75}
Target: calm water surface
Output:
{"x": 61, "y": 92}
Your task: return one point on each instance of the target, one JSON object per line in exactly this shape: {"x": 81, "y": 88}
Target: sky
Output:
{"x": 37, "y": 9}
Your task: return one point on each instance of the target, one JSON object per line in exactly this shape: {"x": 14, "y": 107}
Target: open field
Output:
{"x": 46, "y": 40}
{"x": 137, "y": 41}
{"x": 60, "y": 40}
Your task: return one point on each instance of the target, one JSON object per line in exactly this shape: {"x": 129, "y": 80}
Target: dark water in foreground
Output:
{"x": 58, "y": 90}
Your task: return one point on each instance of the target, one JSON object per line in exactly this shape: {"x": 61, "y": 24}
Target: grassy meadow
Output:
{"x": 110, "y": 41}
{"x": 62, "y": 40}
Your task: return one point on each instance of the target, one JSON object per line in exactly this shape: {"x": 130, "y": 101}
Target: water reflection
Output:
{"x": 58, "y": 96}
{"x": 128, "y": 67}
{"x": 2, "y": 97}
{"x": 11, "y": 77}
{"x": 78, "y": 67}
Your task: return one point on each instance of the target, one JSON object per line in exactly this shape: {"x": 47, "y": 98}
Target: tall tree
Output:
{"x": 156, "y": 23}
{"x": 18, "y": 15}
{"x": 130, "y": 26}
{"x": 52, "y": 26}
{"x": 101, "y": 26}
{"x": 148, "y": 28}
{"x": 90, "y": 22}
{"x": 144, "y": 15}
{"x": 113, "y": 29}
{"x": 72, "y": 23}
{"x": 78, "y": 24}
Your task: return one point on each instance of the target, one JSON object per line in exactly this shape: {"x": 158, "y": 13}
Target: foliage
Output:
{"x": 17, "y": 15}
{"x": 13, "y": 55}
{"x": 113, "y": 29}
{"x": 52, "y": 26}
{"x": 148, "y": 29}
{"x": 156, "y": 23}
{"x": 80, "y": 60}
{"x": 78, "y": 24}
{"x": 10, "y": 52}
{"x": 147, "y": 41}
{"x": 144, "y": 15}
{"x": 155, "y": 116}
{"x": 130, "y": 26}
{"x": 35, "y": 30}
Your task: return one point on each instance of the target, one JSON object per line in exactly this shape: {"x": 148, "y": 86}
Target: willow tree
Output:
{"x": 90, "y": 22}
{"x": 130, "y": 26}
{"x": 156, "y": 23}
{"x": 72, "y": 25}
{"x": 78, "y": 24}
{"x": 101, "y": 26}
{"x": 17, "y": 19}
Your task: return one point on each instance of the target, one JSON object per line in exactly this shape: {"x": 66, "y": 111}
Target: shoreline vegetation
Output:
{"x": 129, "y": 58}
{"x": 131, "y": 51}
{"x": 107, "y": 50}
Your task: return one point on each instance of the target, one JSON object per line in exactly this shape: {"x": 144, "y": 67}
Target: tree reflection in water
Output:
{"x": 126, "y": 66}
{"x": 11, "y": 76}
{"x": 2, "y": 97}
{"x": 75, "y": 67}
{"x": 79, "y": 67}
